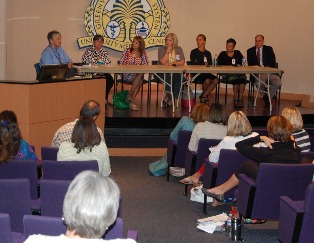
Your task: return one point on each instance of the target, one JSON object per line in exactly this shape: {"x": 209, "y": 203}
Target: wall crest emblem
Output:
{"x": 119, "y": 21}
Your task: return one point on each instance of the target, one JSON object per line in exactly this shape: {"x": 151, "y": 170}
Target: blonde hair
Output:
{"x": 294, "y": 116}
{"x": 238, "y": 124}
{"x": 174, "y": 38}
{"x": 200, "y": 113}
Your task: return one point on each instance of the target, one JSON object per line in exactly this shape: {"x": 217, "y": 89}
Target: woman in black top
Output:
{"x": 281, "y": 149}
{"x": 233, "y": 57}
{"x": 200, "y": 56}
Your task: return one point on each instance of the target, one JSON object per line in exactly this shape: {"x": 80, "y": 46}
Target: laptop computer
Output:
{"x": 52, "y": 73}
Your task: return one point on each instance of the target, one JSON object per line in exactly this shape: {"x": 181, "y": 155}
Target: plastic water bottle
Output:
{"x": 215, "y": 62}
{"x": 228, "y": 225}
{"x": 243, "y": 62}
{"x": 100, "y": 62}
{"x": 205, "y": 60}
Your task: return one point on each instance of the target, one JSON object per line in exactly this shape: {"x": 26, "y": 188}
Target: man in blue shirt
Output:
{"x": 54, "y": 53}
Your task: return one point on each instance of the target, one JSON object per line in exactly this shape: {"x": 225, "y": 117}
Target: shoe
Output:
{"x": 166, "y": 102}
{"x": 266, "y": 100}
{"x": 188, "y": 181}
{"x": 240, "y": 103}
{"x": 177, "y": 171}
{"x": 254, "y": 221}
{"x": 218, "y": 197}
{"x": 133, "y": 107}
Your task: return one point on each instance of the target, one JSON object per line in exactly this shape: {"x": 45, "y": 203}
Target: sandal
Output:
{"x": 218, "y": 197}
{"x": 166, "y": 102}
{"x": 133, "y": 107}
{"x": 189, "y": 181}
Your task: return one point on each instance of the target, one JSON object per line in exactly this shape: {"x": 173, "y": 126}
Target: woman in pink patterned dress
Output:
{"x": 136, "y": 55}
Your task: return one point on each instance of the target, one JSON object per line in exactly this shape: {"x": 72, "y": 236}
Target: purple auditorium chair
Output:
{"x": 195, "y": 160}
{"x": 49, "y": 153}
{"x": 296, "y": 222}
{"x": 310, "y": 131}
{"x": 66, "y": 170}
{"x": 52, "y": 194}
{"x": 15, "y": 201}
{"x": 34, "y": 224}
{"x": 260, "y": 199}
{"x": 16, "y": 169}
{"x": 307, "y": 157}
{"x": 176, "y": 151}
{"x": 312, "y": 143}
{"x": 217, "y": 173}
{"x": 116, "y": 231}
{"x": 6, "y": 236}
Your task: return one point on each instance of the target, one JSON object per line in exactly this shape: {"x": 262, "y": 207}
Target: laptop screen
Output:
{"x": 51, "y": 73}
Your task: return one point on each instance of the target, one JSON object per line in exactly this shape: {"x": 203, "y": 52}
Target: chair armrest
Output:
{"x": 210, "y": 174}
{"x": 246, "y": 194}
{"x": 190, "y": 161}
{"x": 132, "y": 234}
{"x": 290, "y": 219}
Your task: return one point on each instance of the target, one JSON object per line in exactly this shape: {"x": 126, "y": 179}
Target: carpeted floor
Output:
{"x": 159, "y": 212}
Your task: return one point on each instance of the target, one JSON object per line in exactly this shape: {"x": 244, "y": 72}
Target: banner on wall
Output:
{"x": 119, "y": 21}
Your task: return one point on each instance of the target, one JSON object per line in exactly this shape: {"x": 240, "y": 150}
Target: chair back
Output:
{"x": 52, "y": 194}
{"x": 5, "y": 232}
{"x": 115, "y": 231}
{"x": 310, "y": 131}
{"x": 34, "y": 224}
{"x": 49, "y": 153}
{"x": 15, "y": 201}
{"x": 307, "y": 233}
{"x": 312, "y": 143}
{"x": 66, "y": 170}
{"x": 275, "y": 180}
{"x": 37, "y": 69}
{"x": 307, "y": 157}
{"x": 203, "y": 150}
{"x": 229, "y": 162}
{"x": 16, "y": 169}
{"x": 182, "y": 144}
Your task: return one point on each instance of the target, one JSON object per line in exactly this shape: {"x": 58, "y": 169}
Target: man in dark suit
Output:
{"x": 262, "y": 55}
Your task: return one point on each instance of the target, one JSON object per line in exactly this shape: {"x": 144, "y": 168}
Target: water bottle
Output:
{"x": 233, "y": 62}
{"x": 205, "y": 60}
{"x": 100, "y": 62}
{"x": 235, "y": 229}
{"x": 228, "y": 225}
{"x": 215, "y": 62}
{"x": 243, "y": 62}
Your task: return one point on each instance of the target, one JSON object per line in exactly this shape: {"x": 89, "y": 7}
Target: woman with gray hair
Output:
{"x": 90, "y": 206}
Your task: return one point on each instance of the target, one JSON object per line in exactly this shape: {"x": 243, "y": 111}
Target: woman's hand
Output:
{"x": 268, "y": 141}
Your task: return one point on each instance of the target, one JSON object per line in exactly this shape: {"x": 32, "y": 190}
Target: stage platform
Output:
{"x": 151, "y": 126}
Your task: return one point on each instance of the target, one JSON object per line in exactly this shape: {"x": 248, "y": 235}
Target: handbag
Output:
{"x": 159, "y": 167}
{"x": 119, "y": 100}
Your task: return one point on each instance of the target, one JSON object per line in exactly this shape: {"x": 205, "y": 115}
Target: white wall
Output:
{"x": 287, "y": 27}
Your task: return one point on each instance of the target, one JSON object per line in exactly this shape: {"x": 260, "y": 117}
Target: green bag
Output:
{"x": 119, "y": 100}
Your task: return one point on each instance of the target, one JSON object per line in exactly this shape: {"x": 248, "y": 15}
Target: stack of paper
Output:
{"x": 210, "y": 224}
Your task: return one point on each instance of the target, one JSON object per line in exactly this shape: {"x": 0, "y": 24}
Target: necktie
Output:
{"x": 258, "y": 55}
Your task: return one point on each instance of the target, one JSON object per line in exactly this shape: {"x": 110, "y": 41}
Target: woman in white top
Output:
{"x": 86, "y": 145}
{"x": 238, "y": 128}
{"x": 90, "y": 206}
{"x": 214, "y": 128}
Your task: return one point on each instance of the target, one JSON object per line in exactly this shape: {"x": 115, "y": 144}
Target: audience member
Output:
{"x": 97, "y": 54}
{"x": 12, "y": 145}
{"x": 86, "y": 145}
{"x": 201, "y": 56}
{"x": 136, "y": 55}
{"x": 280, "y": 149}
{"x": 90, "y": 108}
{"x": 214, "y": 128}
{"x": 301, "y": 137}
{"x": 90, "y": 206}
{"x": 200, "y": 113}
{"x": 262, "y": 55}
{"x": 171, "y": 54}
{"x": 238, "y": 129}
{"x": 233, "y": 57}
